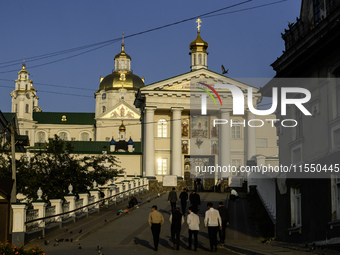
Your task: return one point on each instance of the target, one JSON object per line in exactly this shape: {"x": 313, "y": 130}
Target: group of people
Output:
{"x": 215, "y": 220}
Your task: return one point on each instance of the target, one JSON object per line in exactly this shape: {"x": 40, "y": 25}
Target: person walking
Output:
{"x": 176, "y": 220}
{"x": 213, "y": 221}
{"x": 224, "y": 213}
{"x": 193, "y": 222}
{"x": 156, "y": 220}
{"x": 195, "y": 201}
{"x": 184, "y": 197}
{"x": 172, "y": 198}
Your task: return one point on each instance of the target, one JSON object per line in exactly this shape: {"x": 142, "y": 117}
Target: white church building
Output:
{"x": 156, "y": 129}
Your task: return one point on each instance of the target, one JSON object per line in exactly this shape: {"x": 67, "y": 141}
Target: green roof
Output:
{"x": 90, "y": 147}
{"x": 8, "y": 115}
{"x": 72, "y": 118}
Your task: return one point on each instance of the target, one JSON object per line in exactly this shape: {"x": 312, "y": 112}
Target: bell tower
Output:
{"x": 24, "y": 98}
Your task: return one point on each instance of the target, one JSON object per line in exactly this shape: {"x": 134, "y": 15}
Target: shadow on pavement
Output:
{"x": 143, "y": 243}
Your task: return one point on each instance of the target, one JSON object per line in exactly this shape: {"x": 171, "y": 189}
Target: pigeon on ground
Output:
{"x": 66, "y": 240}
{"x": 55, "y": 244}
{"x": 71, "y": 240}
{"x": 46, "y": 242}
{"x": 79, "y": 246}
{"x": 71, "y": 232}
{"x": 80, "y": 231}
{"x": 66, "y": 230}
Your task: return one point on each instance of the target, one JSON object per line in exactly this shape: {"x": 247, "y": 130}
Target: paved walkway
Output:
{"x": 131, "y": 234}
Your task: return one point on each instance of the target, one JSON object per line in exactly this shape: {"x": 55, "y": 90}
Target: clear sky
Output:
{"x": 245, "y": 42}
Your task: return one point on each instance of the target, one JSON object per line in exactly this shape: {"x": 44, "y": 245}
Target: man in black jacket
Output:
{"x": 176, "y": 220}
{"x": 195, "y": 201}
{"x": 172, "y": 198}
{"x": 184, "y": 197}
{"x": 224, "y": 213}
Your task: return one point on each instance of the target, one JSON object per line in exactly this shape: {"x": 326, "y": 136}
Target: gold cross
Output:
{"x": 198, "y": 21}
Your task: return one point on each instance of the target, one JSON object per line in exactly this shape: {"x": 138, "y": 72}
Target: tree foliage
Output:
{"x": 54, "y": 168}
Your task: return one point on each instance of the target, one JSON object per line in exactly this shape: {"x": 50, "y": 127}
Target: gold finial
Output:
{"x": 23, "y": 63}
{"x": 198, "y": 21}
{"x": 123, "y": 41}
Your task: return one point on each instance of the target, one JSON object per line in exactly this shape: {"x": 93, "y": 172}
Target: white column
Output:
{"x": 224, "y": 153}
{"x": 19, "y": 217}
{"x": 176, "y": 152}
{"x": 95, "y": 193}
{"x": 149, "y": 153}
{"x": 250, "y": 141}
{"x": 58, "y": 203}
{"x": 72, "y": 200}
{"x": 41, "y": 207}
{"x": 85, "y": 197}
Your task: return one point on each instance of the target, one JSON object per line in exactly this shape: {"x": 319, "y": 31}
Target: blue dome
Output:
{"x": 113, "y": 142}
{"x": 130, "y": 142}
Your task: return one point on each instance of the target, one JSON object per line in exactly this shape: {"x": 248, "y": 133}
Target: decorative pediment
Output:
{"x": 121, "y": 111}
{"x": 189, "y": 81}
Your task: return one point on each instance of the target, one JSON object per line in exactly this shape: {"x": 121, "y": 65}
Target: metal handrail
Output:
{"x": 80, "y": 208}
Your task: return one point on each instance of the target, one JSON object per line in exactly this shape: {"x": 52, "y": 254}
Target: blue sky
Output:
{"x": 245, "y": 42}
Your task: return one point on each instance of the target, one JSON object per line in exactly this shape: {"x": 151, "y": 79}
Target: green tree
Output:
{"x": 54, "y": 168}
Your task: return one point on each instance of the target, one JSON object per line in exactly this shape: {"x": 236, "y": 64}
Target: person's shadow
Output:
{"x": 143, "y": 243}
{"x": 164, "y": 211}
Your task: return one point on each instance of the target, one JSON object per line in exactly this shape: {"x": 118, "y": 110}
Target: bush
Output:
{"x": 10, "y": 249}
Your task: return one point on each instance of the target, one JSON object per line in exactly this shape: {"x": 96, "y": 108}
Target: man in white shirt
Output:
{"x": 213, "y": 221}
{"x": 193, "y": 221}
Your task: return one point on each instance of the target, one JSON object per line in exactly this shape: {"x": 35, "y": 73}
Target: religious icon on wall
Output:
{"x": 199, "y": 127}
{"x": 185, "y": 128}
{"x": 214, "y": 147}
{"x": 185, "y": 147}
{"x": 213, "y": 130}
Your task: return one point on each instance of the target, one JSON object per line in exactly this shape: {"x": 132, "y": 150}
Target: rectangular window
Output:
{"x": 295, "y": 207}
{"x": 317, "y": 12}
{"x": 236, "y": 132}
{"x": 336, "y": 138}
{"x": 297, "y": 155}
{"x": 261, "y": 142}
{"x": 237, "y": 163}
{"x": 162, "y": 166}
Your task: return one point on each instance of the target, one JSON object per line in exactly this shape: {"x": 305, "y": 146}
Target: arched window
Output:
{"x": 103, "y": 96}
{"x": 26, "y": 87}
{"x": 200, "y": 59}
{"x": 122, "y": 64}
{"x": 41, "y": 137}
{"x": 27, "y": 108}
{"x": 194, "y": 59}
{"x": 162, "y": 128}
{"x": 84, "y": 136}
{"x": 63, "y": 135}
{"x": 104, "y": 109}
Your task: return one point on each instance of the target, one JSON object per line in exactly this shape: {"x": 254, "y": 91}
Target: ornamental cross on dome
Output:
{"x": 198, "y": 21}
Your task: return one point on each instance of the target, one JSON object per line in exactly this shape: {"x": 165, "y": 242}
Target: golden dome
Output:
{"x": 122, "y": 127}
{"x": 118, "y": 80}
{"x": 198, "y": 44}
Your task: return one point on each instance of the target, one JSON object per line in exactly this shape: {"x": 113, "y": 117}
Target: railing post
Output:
{"x": 113, "y": 192}
{"x": 40, "y": 205}
{"x": 58, "y": 203}
{"x": 120, "y": 190}
{"x": 132, "y": 186}
{"x": 71, "y": 199}
{"x": 107, "y": 193}
{"x": 85, "y": 197}
{"x": 95, "y": 193}
{"x": 19, "y": 227}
